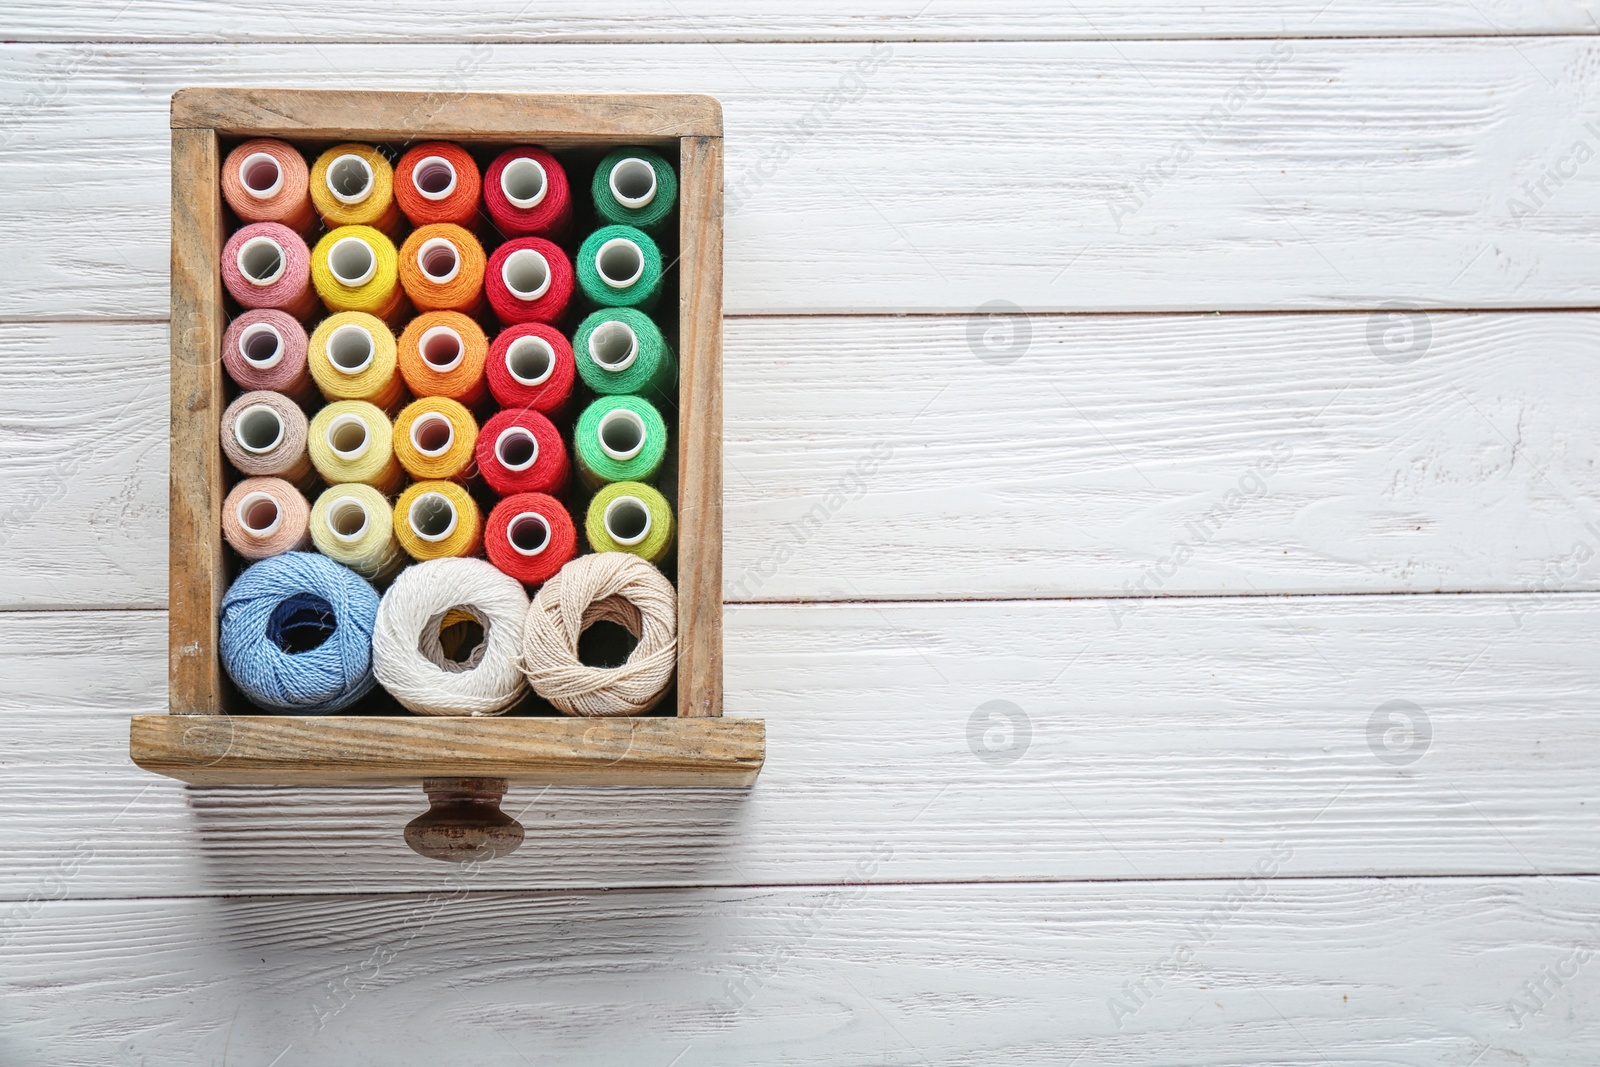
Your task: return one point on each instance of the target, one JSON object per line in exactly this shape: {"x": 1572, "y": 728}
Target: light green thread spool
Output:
{"x": 619, "y": 439}
{"x": 635, "y": 187}
{"x": 630, "y": 517}
{"x": 619, "y": 350}
{"x": 354, "y": 525}
{"x": 620, "y": 266}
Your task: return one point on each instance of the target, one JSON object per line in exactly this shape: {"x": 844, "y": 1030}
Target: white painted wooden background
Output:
{"x": 1214, "y": 449}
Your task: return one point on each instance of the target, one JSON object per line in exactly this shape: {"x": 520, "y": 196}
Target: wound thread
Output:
{"x": 351, "y": 441}
{"x": 442, "y": 353}
{"x": 264, "y": 180}
{"x": 441, "y": 269}
{"x": 354, "y": 525}
{"x": 527, "y": 194}
{"x": 630, "y": 517}
{"x": 266, "y": 265}
{"x": 264, "y": 517}
{"x": 264, "y": 436}
{"x": 436, "y": 520}
{"x": 435, "y": 438}
{"x": 356, "y": 268}
{"x": 352, "y": 356}
{"x": 530, "y": 365}
{"x": 620, "y": 266}
{"x": 635, "y": 187}
{"x": 353, "y": 185}
{"x": 619, "y": 439}
{"x": 522, "y": 452}
{"x": 620, "y": 350}
{"x": 438, "y": 182}
{"x": 530, "y": 536}
{"x": 528, "y": 279}
{"x": 266, "y": 349}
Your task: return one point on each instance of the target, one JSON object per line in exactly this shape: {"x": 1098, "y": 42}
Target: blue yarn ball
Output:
{"x": 297, "y": 633}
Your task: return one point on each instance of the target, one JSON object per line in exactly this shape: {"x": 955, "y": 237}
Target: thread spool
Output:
{"x": 413, "y": 660}
{"x": 530, "y": 536}
{"x": 353, "y": 185}
{"x": 264, "y": 180}
{"x": 438, "y": 182}
{"x": 442, "y": 353}
{"x": 620, "y": 266}
{"x": 351, "y": 441}
{"x": 356, "y": 268}
{"x": 527, "y": 194}
{"x": 266, "y": 349}
{"x": 630, "y": 517}
{"x": 352, "y": 356}
{"x": 441, "y": 269}
{"x": 437, "y": 520}
{"x": 521, "y": 451}
{"x": 353, "y": 525}
{"x": 264, "y": 436}
{"x": 264, "y": 517}
{"x": 435, "y": 438}
{"x": 619, "y": 439}
{"x": 619, "y": 350}
{"x": 528, "y": 279}
{"x": 635, "y": 187}
{"x": 295, "y": 634}
{"x": 530, "y": 365}
{"x": 611, "y": 587}
{"x": 266, "y": 265}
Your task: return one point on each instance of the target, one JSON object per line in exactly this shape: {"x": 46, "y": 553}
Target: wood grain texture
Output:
{"x": 1357, "y": 174}
{"x": 694, "y": 21}
{"x": 356, "y": 749}
{"x": 876, "y": 457}
{"x": 1267, "y": 972}
{"x": 1156, "y": 739}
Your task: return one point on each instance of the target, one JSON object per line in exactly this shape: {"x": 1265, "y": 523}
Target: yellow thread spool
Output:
{"x": 433, "y": 520}
{"x": 434, "y": 438}
{"x": 353, "y": 525}
{"x": 352, "y": 441}
{"x": 353, "y": 185}
{"x": 356, "y": 268}
{"x": 352, "y": 356}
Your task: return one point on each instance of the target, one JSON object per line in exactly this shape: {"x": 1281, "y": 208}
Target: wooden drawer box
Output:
{"x": 232, "y": 744}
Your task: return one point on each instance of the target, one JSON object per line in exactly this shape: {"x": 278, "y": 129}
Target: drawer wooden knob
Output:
{"x": 465, "y": 822}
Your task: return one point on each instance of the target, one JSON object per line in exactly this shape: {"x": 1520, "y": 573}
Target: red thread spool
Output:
{"x": 267, "y": 265}
{"x": 522, "y": 452}
{"x": 441, "y": 269}
{"x": 531, "y": 366}
{"x": 438, "y": 182}
{"x": 441, "y": 353}
{"x": 529, "y": 279}
{"x": 527, "y": 194}
{"x": 530, "y": 536}
{"x": 267, "y": 181}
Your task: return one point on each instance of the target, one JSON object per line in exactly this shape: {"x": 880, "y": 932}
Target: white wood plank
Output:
{"x": 926, "y": 176}
{"x": 1177, "y": 740}
{"x": 722, "y": 21}
{"x": 1090, "y": 465}
{"x": 1271, "y": 971}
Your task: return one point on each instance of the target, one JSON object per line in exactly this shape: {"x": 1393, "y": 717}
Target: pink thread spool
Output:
{"x": 266, "y": 349}
{"x": 267, "y": 265}
{"x": 267, "y": 181}
{"x": 264, "y": 436}
{"x": 266, "y": 517}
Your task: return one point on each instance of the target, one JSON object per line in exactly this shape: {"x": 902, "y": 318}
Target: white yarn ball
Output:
{"x": 406, "y": 654}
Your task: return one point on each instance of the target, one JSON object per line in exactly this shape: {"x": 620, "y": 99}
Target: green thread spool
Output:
{"x": 635, "y": 187}
{"x": 630, "y": 517}
{"x": 620, "y": 266}
{"x": 619, "y": 439}
{"x": 354, "y": 525}
{"x": 619, "y": 350}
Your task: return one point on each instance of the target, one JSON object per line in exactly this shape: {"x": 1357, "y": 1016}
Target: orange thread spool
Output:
{"x": 266, "y": 181}
{"x": 441, "y": 269}
{"x": 436, "y": 439}
{"x": 442, "y": 353}
{"x": 438, "y": 182}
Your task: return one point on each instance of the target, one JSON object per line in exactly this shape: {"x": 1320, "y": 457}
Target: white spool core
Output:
{"x": 432, "y": 517}
{"x": 528, "y": 533}
{"x": 260, "y": 515}
{"x": 516, "y": 448}
{"x": 531, "y": 360}
{"x": 432, "y": 434}
{"x": 347, "y": 519}
{"x": 351, "y": 349}
{"x": 524, "y": 182}
{"x": 619, "y": 262}
{"x": 439, "y": 260}
{"x": 613, "y": 346}
{"x": 261, "y": 175}
{"x": 633, "y": 182}
{"x": 258, "y": 429}
{"x": 441, "y": 348}
{"x": 621, "y": 433}
{"x": 261, "y": 345}
{"x": 627, "y": 520}
{"x": 348, "y": 436}
{"x": 434, "y": 177}
{"x": 349, "y": 179}
{"x": 352, "y": 261}
{"x": 262, "y": 261}
{"x": 526, "y": 274}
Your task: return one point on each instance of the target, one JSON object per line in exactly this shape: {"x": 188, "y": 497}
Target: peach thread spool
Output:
{"x": 265, "y": 181}
{"x": 266, "y": 265}
{"x": 442, "y": 353}
{"x": 266, "y": 349}
{"x": 438, "y": 182}
{"x": 352, "y": 356}
{"x": 441, "y": 269}
{"x": 435, "y": 520}
{"x": 356, "y": 268}
{"x": 354, "y": 525}
{"x": 264, "y": 517}
{"x": 351, "y": 441}
{"x": 435, "y": 439}
{"x": 264, "y": 436}
{"x": 353, "y": 185}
